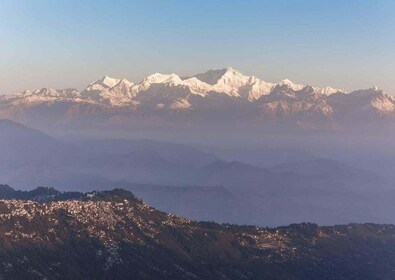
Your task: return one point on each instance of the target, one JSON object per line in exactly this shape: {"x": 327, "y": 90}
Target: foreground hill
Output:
{"x": 113, "y": 235}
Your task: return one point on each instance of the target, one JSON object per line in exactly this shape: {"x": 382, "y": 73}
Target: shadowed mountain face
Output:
{"x": 112, "y": 235}
{"x": 29, "y": 158}
{"x": 197, "y": 184}
{"x": 20, "y": 144}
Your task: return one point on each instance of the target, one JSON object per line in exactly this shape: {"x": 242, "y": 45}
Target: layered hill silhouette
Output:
{"x": 180, "y": 179}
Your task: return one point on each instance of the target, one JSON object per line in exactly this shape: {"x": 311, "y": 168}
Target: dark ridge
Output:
{"x": 43, "y": 194}
{"x": 115, "y": 195}
{"x": 6, "y": 192}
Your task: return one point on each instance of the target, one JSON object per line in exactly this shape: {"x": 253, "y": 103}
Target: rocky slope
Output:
{"x": 223, "y": 95}
{"x": 46, "y": 234}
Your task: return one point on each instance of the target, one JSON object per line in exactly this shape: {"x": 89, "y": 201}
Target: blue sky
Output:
{"x": 347, "y": 44}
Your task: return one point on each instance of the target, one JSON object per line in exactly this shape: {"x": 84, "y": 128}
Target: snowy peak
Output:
{"x": 232, "y": 82}
{"x": 226, "y": 76}
{"x": 158, "y": 78}
{"x": 46, "y": 93}
{"x": 228, "y": 81}
{"x": 234, "y": 78}
{"x": 211, "y": 77}
{"x": 288, "y": 83}
{"x": 108, "y": 81}
{"x": 104, "y": 83}
{"x": 328, "y": 90}
{"x": 124, "y": 83}
{"x": 217, "y": 94}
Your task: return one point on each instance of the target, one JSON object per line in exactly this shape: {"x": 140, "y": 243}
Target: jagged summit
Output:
{"x": 108, "y": 81}
{"x": 288, "y": 83}
{"x": 124, "y": 82}
{"x": 103, "y": 83}
{"x": 159, "y": 78}
{"x": 214, "y": 75}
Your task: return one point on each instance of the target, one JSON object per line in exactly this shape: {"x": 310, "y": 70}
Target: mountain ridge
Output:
{"x": 216, "y": 95}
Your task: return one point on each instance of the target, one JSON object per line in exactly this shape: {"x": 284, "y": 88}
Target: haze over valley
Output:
{"x": 267, "y": 185}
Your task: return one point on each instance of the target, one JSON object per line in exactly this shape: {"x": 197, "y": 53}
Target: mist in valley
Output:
{"x": 228, "y": 173}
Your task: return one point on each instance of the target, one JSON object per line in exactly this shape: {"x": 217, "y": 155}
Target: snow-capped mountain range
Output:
{"x": 216, "y": 95}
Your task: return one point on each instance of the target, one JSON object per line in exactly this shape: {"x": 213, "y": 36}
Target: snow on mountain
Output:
{"x": 233, "y": 83}
{"x": 103, "y": 83}
{"x": 212, "y": 76}
{"x": 225, "y": 91}
{"x": 377, "y": 99}
{"x": 29, "y": 98}
{"x": 44, "y": 92}
{"x": 291, "y": 85}
{"x": 196, "y": 86}
{"x": 255, "y": 90}
{"x": 109, "y": 91}
{"x": 119, "y": 92}
{"x": 328, "y": 90}
{"x": 158, "y": 78}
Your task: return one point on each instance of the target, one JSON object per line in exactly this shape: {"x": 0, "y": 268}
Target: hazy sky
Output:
{"x": 347, "y": 44}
